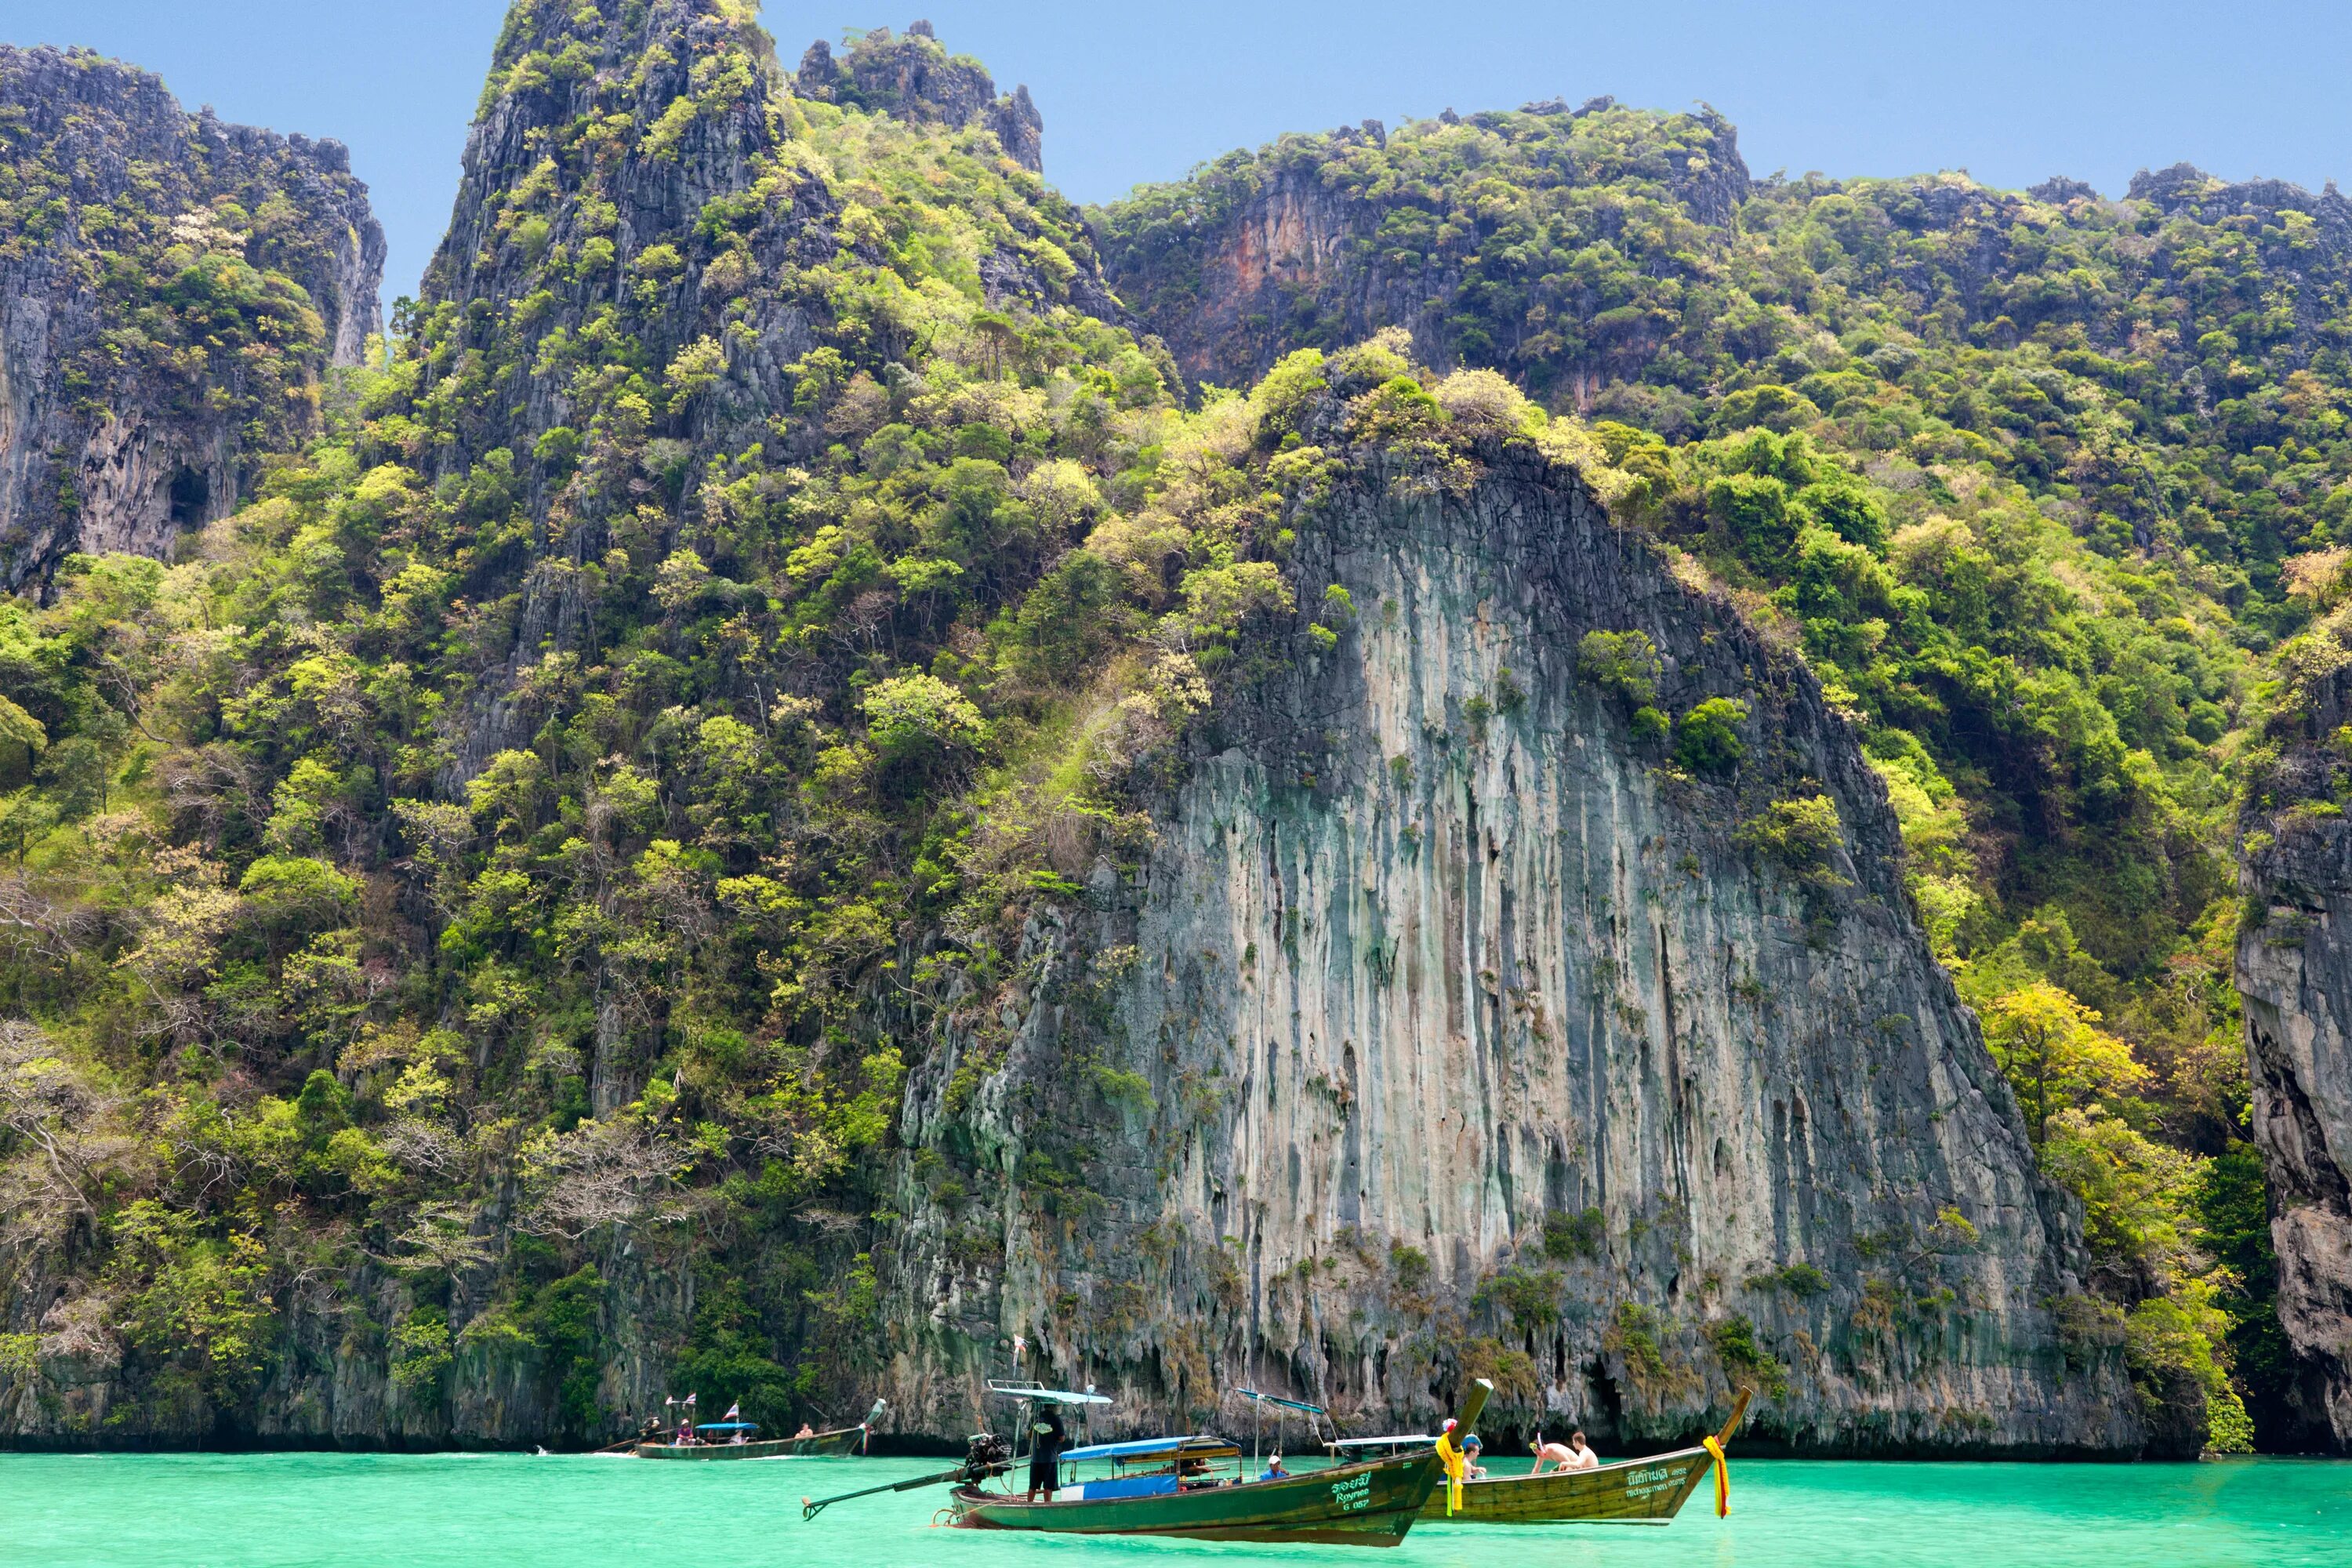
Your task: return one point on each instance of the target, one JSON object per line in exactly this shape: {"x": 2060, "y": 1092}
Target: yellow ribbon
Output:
{"x": 1722, "y": 1479}
{"x": 1451, "y": 1458}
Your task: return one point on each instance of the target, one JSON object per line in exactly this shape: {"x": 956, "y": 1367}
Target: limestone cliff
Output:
{"x": 172, "y": 289}
{"x": 2295, "y": 972}
{"x": 1478, "y": 1035}
{"x": 1403, "y": 1010}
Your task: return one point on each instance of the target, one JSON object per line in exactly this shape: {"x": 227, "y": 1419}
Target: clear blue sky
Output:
{"x": 1135, "y": 90}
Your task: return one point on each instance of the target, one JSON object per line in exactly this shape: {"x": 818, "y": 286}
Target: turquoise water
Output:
{"x": 500, "y": 1510}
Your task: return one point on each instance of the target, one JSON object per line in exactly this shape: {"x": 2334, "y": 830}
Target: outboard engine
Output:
{"x": 984, "y": 1455}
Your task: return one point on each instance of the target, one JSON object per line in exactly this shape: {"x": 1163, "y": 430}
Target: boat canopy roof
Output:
{"x": 1145, "y": 1447}
{"x": 1042, "y": 1395}
{"x": 1409, "y": 1440}
{"x": 727, "y": 1427}
{"x": 1285, "y": 1403}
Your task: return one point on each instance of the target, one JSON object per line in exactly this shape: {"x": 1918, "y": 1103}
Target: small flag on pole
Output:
{"x": 690, "y": 1399}
{"x": 734, "y": 1412}
{"x": 1020, "y": 1346}
{"x": 671, "y": 1400}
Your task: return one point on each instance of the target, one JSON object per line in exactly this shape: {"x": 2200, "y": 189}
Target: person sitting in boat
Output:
{"x": 1193, "y": 1473}
{"x": 740, "y": 1435}
{"x": 1047, "y": 1441}
{"x": 1473, "y": 1450}
{"x": 806, "y": 1431}
{"x": 1273, "y": 1470}
{"x": 1571, "y": 1455}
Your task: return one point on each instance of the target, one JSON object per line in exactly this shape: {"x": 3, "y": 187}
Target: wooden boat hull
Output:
{"x": 842, "y": 1440}
{"x": 772, "y": 1450}
{"x": 1632, "y": 1491}
{"x": 1637, "y": 1491}
{"x": 1367, "y": 1504}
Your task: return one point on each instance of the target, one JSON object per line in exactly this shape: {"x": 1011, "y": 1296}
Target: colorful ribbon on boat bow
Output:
{"x": 1722, "y": 1480}
{"x": 1451, "y": 1458}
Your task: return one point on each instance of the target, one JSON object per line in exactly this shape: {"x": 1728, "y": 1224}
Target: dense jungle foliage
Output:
{"x": 518, "y": 823}
{"x": 2040, "y": 483}
{"x": 478, "y": 888}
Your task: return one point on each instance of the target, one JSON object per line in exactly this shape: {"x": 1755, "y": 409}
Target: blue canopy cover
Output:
{"x": 1136, "y": 1446}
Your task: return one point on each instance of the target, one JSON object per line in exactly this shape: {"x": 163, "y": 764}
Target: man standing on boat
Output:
{"x": 1047, "y": 1440}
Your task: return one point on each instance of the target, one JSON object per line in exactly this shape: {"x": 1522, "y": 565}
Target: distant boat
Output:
{"x": 1632, "y": 1491}
{"x": 734, "y": 1440}
{"x": 840, "y": 1440}
{"x": 723, "y": 1445}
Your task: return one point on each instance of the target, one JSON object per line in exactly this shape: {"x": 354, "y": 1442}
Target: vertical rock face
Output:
{"x": 1447, "y": 1027}
{"x": 2295, "y": 971}
{"x": 172, "y": 289}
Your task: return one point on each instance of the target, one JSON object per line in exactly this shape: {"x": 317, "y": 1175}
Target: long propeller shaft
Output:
{"x": 810, "y": 1508}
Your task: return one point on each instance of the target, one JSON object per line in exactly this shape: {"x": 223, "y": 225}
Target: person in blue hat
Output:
{"x": 1471, "y": 1452}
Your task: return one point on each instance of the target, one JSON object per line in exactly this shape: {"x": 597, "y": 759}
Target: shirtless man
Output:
{"x": 1571, "y": 1455}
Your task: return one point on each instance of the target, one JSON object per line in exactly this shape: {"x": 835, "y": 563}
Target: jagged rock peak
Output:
{"x": 911, "y": 76}
{"x": 2058, "y": 190}
{"x": 147, "y": 362}
{"x": 680, "y": 90}
{"x": 2186, "y": 188}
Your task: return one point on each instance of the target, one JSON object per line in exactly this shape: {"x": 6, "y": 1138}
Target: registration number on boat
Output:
{"x": 1641, "y": 1483}
{"x": 1352, "y": 1494}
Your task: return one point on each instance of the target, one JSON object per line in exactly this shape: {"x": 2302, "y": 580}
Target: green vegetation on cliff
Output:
{"x": 2036, "y": 482}
{"x": 475, "y": 907}
{"x": 488, "y": 886}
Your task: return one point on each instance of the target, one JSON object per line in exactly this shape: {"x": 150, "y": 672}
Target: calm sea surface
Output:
{"x": 461, "y": 1511}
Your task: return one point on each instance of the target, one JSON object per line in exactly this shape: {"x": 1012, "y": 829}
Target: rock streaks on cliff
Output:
{"x": 2295, "y": 972}
{"x": 1474, "y": 1036}
{"x": 172, "y": 289}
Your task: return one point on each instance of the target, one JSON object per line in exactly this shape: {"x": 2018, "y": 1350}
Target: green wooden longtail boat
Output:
{"x": 840, "y": 1440}
{"x": 774, "y": 1450}
{"x": 1633, "y": 1491}
{"x": 1371, "y": 1503}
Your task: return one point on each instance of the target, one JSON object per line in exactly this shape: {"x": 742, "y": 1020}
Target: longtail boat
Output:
{"x": 840, "y": 1440}
{"x": 1369, "y": 1502}
{"x": 733, "y": 1440}
{"x": 720, "y": 1448}
{"x": 1648, "y": 1490}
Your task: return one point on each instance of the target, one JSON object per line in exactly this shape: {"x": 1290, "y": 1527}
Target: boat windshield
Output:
{"x": 1380, "y": 1445}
